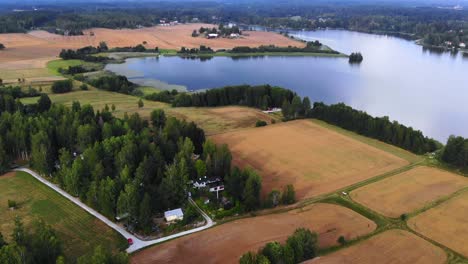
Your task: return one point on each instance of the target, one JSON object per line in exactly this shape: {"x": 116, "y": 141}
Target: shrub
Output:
{"x": 11, "y": 204}
{"x": 403, "y": 217}
{"x": 260, "y": 123}
{"x": 2, "y": 46}
{"x": 62, "y": 86}
{"x": 342, "y": 240}
{"x": 84, "y": 87}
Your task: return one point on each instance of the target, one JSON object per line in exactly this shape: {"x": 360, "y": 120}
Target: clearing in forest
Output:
{"x": 446, "y": 223}
{"x": 393, "y": 246}
{"x": 314, "y": 158}
{"x": 78, "y": 231}
{"x": 408, "y": 191}
{"x": 228, "y": 242}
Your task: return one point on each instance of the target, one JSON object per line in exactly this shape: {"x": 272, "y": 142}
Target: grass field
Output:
{"x": 226, "y": 243}
{"x": 79, "y": 231}
{"x": 408, "y": 191}
{"x": 393, "y": 246}
{"x": 446, "y": 223}
{"x": 315, "y": 159}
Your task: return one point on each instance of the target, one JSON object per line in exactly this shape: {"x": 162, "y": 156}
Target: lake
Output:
{"x": 417, "y": 87}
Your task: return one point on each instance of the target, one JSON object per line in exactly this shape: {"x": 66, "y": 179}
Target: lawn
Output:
{"x": 79, "y": 231}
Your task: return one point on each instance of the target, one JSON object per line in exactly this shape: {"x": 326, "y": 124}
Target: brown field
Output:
{"x": 408, "y": 191}
{"x": 315, "y": 159}
{"x": 393, "y": 246}
{"x": 227, "y": 242}
{"x": 446, "y": 223}
{"x": 221, "y": 119}
{"x": 41, "y": 44}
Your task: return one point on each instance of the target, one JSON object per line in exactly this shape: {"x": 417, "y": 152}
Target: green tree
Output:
{"x": 158, "y": 118}
{"x": 248, "y": 258}
{"x": 200, "y": 166}
{"x": 146, "y": 213}
{"x": 44, "y": 103}
{"x": 46, "y": 246}
{"x": 4, "y": 158}
{"x": 253, "y": 187}
{"x": 140, "y": 103}
{"x": 289, "y": 194}
{"x": 41, "y": 153}
{"x": 274, "y": 252}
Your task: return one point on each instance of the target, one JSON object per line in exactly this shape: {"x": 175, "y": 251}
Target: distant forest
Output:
{"x": 434, "y": 25}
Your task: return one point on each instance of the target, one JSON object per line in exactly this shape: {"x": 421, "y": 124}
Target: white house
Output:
{"x": 212, "y": 35}
{"x": 234, "y": 35}
{"x": 174, "y": 215}
{"x": 462, "y": 45}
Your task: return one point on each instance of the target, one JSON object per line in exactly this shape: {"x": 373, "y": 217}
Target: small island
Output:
{"x": 355, "y": 57}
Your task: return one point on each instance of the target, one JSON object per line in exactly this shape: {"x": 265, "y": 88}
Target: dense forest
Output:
{"x": 117, "y": 166}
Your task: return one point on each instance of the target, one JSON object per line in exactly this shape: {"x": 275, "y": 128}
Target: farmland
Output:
{"x": 216, "y": 245}
{"x": 78, "y": 231}
{"x": 408, "y": 191}
{"x": 445, "y": 223}
{"x": 393, "y": 246}
{"x": 41, "y": 45}
{"x": 316, "y": 160}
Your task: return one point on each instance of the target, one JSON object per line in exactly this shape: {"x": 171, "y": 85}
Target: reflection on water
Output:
{"x": 421, "y": 87}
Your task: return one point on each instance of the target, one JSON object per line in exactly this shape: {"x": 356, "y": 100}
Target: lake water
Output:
{"x": 423, "y": 89}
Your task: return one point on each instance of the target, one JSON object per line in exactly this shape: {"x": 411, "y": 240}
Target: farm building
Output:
{"x": 212, "y": 35}
{"x": 174, "y": 215}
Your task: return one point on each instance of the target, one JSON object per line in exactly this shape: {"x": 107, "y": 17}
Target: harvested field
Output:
{"x": 227, "y": 242}
{"x": 78, "y": 231}
{"x": 446, "y": 223}
{"x": 221, "y": 119}
{"x": 408, "y": 191}
{"x": 315, "y": 159}
{"x": 393, "y": 246}
{"x": 41, "y": 44}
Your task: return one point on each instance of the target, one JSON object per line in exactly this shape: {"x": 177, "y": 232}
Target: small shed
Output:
{"x": 174, "y": 215}
{"x": 212, "y": 35}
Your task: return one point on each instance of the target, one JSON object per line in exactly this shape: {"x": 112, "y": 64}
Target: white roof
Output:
{"x": 213, "y": 35}
{"x": 176, "y": 212}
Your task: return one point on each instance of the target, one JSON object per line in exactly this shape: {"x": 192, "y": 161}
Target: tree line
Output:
{"x": 314, "y": 47}
{"x": 260, "y": 96}
{"x": 455, "y": 152}
{"x": 302, "y": 245}
{"x": 380, "y": 128}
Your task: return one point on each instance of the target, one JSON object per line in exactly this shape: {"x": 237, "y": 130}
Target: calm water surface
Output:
{"x": 423, "y": 89}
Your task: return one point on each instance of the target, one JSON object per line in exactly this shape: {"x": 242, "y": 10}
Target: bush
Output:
{"x": 403, "y": 217}
{"x": 62, "y": 86}
{"x": 2, "y": 46}
{"x": 84, "y": 87}
{"x": 260, "y": 123}
{"x": 342, "y": 240}
{"x": 11, "y": 204}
